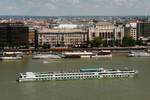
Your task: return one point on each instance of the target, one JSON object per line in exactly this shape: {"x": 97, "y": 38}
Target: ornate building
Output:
{"x": 107, "y": 31}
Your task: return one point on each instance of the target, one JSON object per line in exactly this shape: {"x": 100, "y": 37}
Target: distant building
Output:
{"x": 66, "y": 26}
{"x": 62, "y": 37}
{"x": 107, "y": 31}
{"x": 133, "y": 33}
{"x": 138, "y": 31}
{"x": 13, "y": 35}
{"x": 131, "y": 30}
{"x": 119, "y": 33}
{"x": 31, "y": 37}
{"x": 143, "y": 31}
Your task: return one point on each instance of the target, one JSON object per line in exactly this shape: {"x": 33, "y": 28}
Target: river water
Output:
{"x": 137, "y": 88}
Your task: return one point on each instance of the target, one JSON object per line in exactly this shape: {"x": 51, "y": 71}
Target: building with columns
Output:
{"x": 119, "y": 33}
{"x": 107, "y": 31}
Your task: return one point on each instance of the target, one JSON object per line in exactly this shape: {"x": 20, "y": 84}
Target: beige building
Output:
{"x": 131, "y": 30}
{"x": 119, "y": 33}
{"x": 107, "y": 31}
{"x": 133, "y": 33}
{"x": 62, "y": 37}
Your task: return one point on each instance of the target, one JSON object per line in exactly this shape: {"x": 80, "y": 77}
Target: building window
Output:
{"x": 93, "y": 34}
{"x": 119, "y": 34}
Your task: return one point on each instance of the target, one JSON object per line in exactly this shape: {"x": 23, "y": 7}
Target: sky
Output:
{"x": 75, "y": 7}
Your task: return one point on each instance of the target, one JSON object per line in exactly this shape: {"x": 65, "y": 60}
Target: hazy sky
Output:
{"x": 74, "y": 7}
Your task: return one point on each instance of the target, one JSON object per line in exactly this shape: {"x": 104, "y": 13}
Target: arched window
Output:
{"x": 93, "y": 34}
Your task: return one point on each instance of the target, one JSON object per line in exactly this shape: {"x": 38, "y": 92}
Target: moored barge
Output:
{"x": 139, "y": 54}
{"x": 89, "y": 73}
{"x": 85, "y": 54}
{"x": 11, "y": 56}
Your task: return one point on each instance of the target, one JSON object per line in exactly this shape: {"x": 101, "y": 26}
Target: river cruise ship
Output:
{"x": 82, "y": 74}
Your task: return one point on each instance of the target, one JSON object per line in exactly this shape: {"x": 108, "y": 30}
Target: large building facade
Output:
{"x": 107, "y": 31}
{"x": 62, "y": 37}
{"x": 13, "y": 35}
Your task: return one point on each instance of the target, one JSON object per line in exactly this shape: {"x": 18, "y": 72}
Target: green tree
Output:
{"x": 117, "y": 43}
{"x": 105, "y": 44}
{"x": 96, "y": 42}
{"x": 128, "y": 41}
{"x": 139, "y": 42}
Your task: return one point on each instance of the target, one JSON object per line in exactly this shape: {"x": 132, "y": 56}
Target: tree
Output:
{"x": 139, "y": 42}
{"x": 128, "y": 41}
{"x": 105, "y": 44}
{"x": 96, "y": 42}
{"x": 117, "y": 43}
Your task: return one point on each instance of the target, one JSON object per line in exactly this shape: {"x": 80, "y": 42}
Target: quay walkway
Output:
{"x": 82, "y": 49}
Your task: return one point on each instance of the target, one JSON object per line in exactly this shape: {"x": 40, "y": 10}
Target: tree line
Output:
{"x": 126, "y": 42}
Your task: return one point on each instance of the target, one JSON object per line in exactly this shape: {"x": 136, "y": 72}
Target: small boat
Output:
{"x": 139, "y": 54}
{"x": 46, "y": 62}
{"x": 51, "y": 61}
{"x": 11, "y": 56}
{"x": 102, "y": 54}
{"x": 78, "y": 54}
